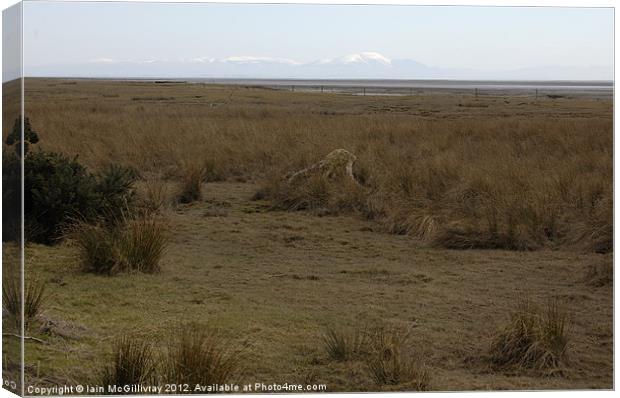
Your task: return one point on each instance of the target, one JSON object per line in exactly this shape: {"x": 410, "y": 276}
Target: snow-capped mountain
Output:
{"x": 361, "y": 58}
{"x": 363, "y": 65}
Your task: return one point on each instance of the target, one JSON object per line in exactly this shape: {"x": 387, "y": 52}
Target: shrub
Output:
{"x": 342, "y": 345}
{"x": 115, "y": 186}
{"x": 532, "y": 339}
{"x": 132, "y": 363}
{"x": 197, "y": 356}
{"x": 191, "y": 185}
{"x": 133, "y": 244}
{"x": 11, "y": 196}
{"x": 391, "y": 362}
{"x": 56, "y": 189}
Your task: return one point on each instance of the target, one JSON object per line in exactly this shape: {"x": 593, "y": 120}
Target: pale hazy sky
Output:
{"x": 483, "y": 38}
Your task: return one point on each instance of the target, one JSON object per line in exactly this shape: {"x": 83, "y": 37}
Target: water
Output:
{"x": 409, "y": 87}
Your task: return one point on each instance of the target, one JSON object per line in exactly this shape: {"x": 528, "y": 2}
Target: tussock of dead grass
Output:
{"x": 191, "y": 184}
{"x": 317, "y": 193}
{"x": 534, "y": 338}
{"x": 153, "y": 195}
{"x": 392, "y": 362}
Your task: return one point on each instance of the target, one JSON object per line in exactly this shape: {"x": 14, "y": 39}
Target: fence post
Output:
{"x": 364, "y": 91}
{"x": 536, "y": 93}
{"x": 476, "y": 91}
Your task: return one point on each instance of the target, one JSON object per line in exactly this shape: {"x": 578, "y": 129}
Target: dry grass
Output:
{"x": 533, "y": 339}
{"x": 132, "y": 363}
{"x": 273, "y": 298}
{"x": 196, "y": 355}
{"x": 532, "y": 178}
{"x": 135, "y": 243}
{"x": 600, "y": 273}
{"x": 153, "y": 195}
{"x": 392, "y": 362}
{"x": 342, "y": 344}
{"x": 191, "y": 184}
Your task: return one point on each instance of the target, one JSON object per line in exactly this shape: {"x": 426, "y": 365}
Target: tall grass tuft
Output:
{"x": 34, "y": 298}
{"x": 132, "y": 363}
{"x": 141, "y": 244}
{"x": 533, "y": 338}
{"x": 197, "y": 356}
{"x": 153, "y": 195}
{"x": 342, "y": 345}
{"x": 133, "y": 244}
{"x": 392, "y": 362}
{"x": 96, "y": 246}
{"x": 11, "y": 296}
{"x": 191, "y": 185}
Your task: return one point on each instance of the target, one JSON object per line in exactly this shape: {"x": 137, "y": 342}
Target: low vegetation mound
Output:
{"x": 533, "y": 339}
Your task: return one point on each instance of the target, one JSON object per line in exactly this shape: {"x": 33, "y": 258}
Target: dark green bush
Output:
{"x": 56, "y": 190}
{"x": 115, "y": 188}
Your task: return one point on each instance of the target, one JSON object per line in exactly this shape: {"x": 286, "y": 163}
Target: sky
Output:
{"x": 77, "y": 36}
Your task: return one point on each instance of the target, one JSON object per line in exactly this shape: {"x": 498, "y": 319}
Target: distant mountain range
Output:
{"x": 365, "y": 65}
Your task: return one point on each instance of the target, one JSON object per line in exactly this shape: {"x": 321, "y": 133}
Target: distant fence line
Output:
{"x": 549, "y": 92}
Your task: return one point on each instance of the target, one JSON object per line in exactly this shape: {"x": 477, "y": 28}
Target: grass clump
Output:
{"x": 142, "y": 243}
{"x": 197, "y": 356}
{"x": 133, "y": 244}
{"x": 34, "y": 298}
{"x": 533, "y": 339}
{"x": 191, "y": 185}
{"x": 391, "y": 362}
{"x": 132, "y": 363}
{"x": 341, "y": 345}
{"x": 316, "y": 193}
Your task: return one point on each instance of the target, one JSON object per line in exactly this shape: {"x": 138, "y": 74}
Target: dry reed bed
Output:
{"x": 479, "y": 178}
